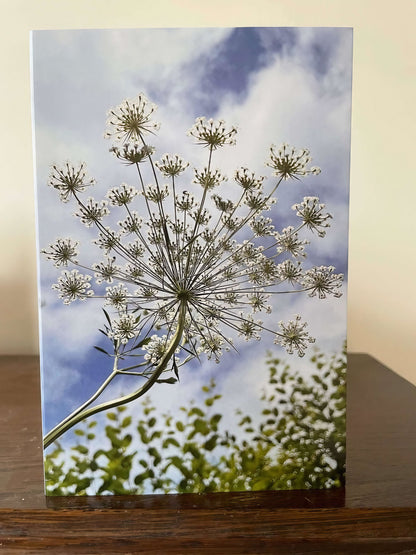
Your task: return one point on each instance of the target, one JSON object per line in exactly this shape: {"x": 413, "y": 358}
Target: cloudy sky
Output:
{"x": 276, "y": 85}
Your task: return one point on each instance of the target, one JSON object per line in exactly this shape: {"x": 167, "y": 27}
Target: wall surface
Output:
{"x": 382, "y": 298}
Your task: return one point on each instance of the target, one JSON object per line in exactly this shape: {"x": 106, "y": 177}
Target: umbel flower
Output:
{"x": 188, "y": 273}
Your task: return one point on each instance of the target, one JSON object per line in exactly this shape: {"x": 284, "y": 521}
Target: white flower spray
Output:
{"x": 197, "y": 270}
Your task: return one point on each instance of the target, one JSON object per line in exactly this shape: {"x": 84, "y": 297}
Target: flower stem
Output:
{"x": 83, "y": 412}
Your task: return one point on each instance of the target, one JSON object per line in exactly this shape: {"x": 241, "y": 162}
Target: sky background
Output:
{"x": 276, "y": 85}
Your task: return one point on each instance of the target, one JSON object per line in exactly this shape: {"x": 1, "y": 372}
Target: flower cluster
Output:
{"x": 122, "y": 195}
{"x": 73, "y": 286}
{"x": 132, "y": 153}
{"x": 171, "y": 166}
{"x": 69, "y": 180}
{"x": 212, "y": 134}
{"x": 130, "y": 119}
{"x": 62, "y": 252}
{"x": 289, "y": 163}
{"x": 293, "y": 336}
{"x": 312, "y": 213}
{"x": 197, "y": 270}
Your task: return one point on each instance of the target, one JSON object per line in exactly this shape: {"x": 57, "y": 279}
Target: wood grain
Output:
{"x": 376, "y": 513}
{"x": 204, "y": 531}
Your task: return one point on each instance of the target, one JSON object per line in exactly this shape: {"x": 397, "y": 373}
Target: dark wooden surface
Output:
{"x": 375, "y": 514}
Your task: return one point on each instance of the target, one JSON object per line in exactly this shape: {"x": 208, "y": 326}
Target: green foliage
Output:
{"x": 298, "y": 442}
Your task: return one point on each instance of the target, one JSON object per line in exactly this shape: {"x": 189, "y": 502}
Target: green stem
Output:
{"x": 82, "y": 412}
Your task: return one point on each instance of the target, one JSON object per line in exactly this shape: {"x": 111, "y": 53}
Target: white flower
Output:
{"x": 311, "y": 212}
{"x": 247, "y": 179}
{"x": 262, "y": 226}
{"x": 289, "y": 271}
{"x": 131, "y": 224}
{"x": 133, "y": 272}
{"x": 213, "y": 344}
{"x": 132, "y": 153}
{"x": 106, "y": 271}
{"x": 62, "y": 252}
{"x": 69, "y": 180}
{"x": 209, "y": 178}
{"x": 117, "y": 295}
{"x": 135, "y": 249}
{"x": 122, "y": 195}
{"x": 223, "y": 205}
{"x": 107, "y": 240}
{"x": 185, "y": 202}
{"x": 131, "y": 119}
{"x": 323, "y": 281}
{"x": 171, "y": 166}
{"x": 248, "y": 327}
{"x": 257, "y": 202}
{"x": 124, "y": 328}
{"x": 155, "y": 193}
{"x": 212, "y": 134}
{"x": 293, "y": 336}
{"x": 156, "y": 348}
{"x": 92, "y": 212}
{"x": 72, "y": 286}
{"x": 290, "y": 163}
{"x": 288, "y": 241}
{"x": 258, "y": 302}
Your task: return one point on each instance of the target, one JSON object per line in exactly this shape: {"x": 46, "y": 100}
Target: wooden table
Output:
{"x": 373, "y": 515}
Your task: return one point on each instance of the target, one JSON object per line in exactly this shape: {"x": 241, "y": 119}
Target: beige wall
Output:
{"x": 382, "y": 299}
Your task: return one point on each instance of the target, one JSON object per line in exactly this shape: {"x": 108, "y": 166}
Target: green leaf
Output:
{"x": 201, "y": 426}
{"x": 83, "y": 485}
{"x": 101, "y": 350}
{"x": 167, "y": 380}
{"x": 196, "y": 411}
{"x": 107, "y": 317}
{"x": 126, "y": 422}
{"x": 81, "y": 449}
{"x": 211, "y": 443}
{"x": 94, "y": 466}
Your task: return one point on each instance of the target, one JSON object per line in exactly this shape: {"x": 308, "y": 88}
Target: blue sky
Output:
{"x": 275, "y": 84}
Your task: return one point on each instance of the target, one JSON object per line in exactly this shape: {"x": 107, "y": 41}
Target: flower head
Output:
{"x": 212, "y": 134}
{"x": 62, "y": 252}
{"x": 72, "y": 286}
{"x": 132, "y": 153}
{"x": 107, "y": 239}
{"x": 293, "y": 336}
{"x": 131, "y": 224}
{"x": 156, "y": 348}
{"x": 171, "y": 166}
{"x": 122, "y": 195}
{"x": 291, "y": 163}
{"x": 92, "y": 211}
{"x": 131, "y": 119}
{"x": 106, "y": 271}
{"x": 288, "y": 241}
{"x": 69, "y": 180}
{"x": 124, "y": 328}
{"x": 322, "y": 281}
{"x": 208, "y": 178}
{"x": 247, "y": 180}
{"x": 312, "y": 213}
{"x": 117, "y": 295}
